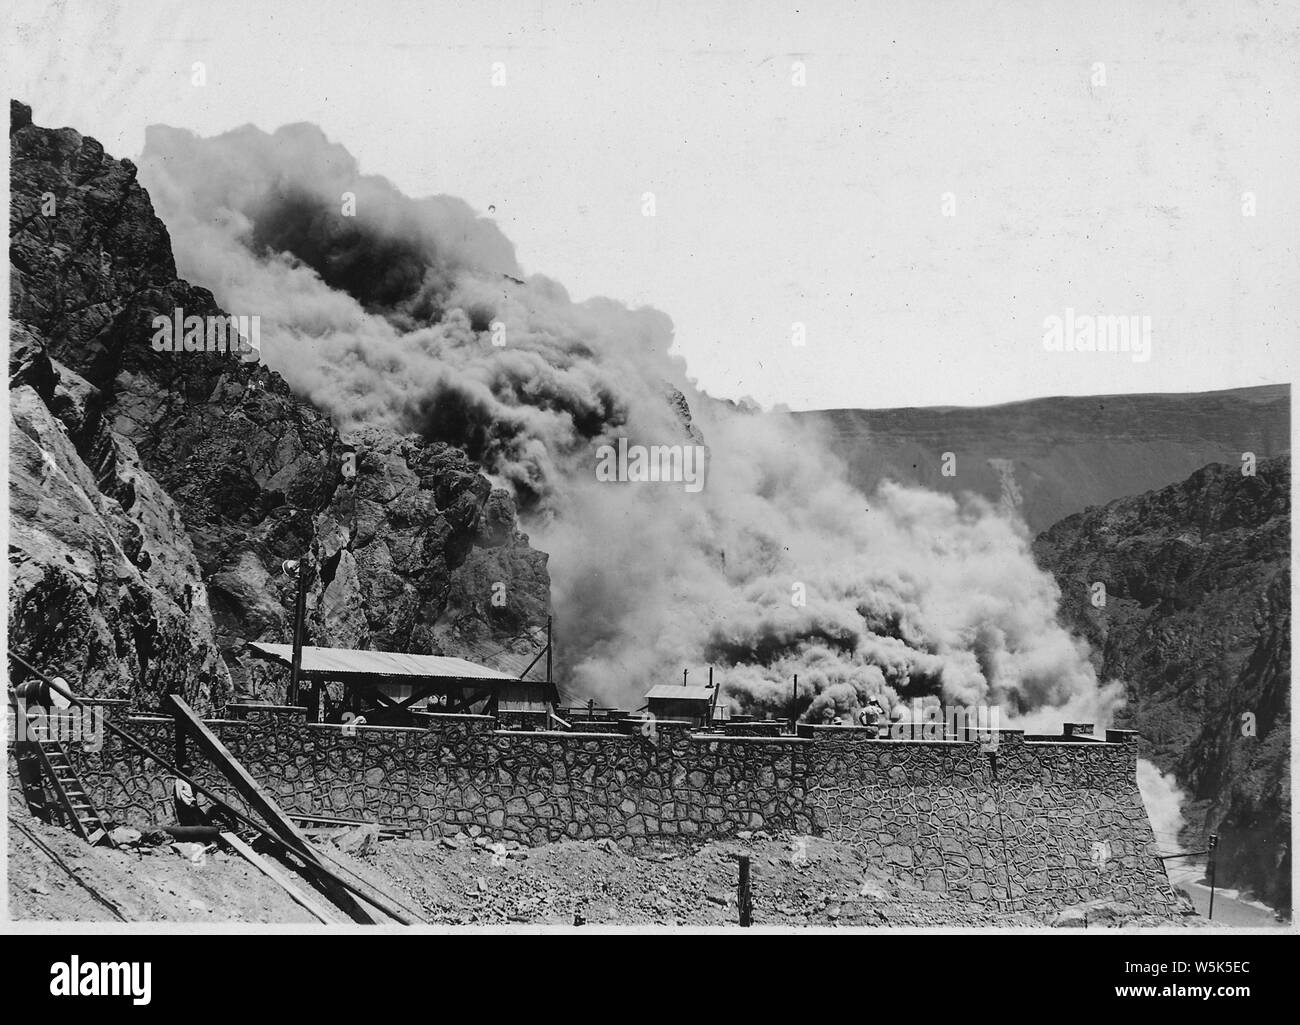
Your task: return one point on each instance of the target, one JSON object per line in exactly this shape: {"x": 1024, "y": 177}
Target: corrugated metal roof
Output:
{"x": 674, "y": 692}
{"x": 342, "y": 662}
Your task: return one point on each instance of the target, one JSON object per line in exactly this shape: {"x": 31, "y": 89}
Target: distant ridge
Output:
{"x": 1055, "y": 456}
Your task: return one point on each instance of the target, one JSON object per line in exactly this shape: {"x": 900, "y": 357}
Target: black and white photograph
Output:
{"x": 651, "y": 468}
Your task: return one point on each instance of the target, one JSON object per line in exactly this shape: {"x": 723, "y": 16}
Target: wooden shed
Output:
{"x": 688, "y": 704}
{"x": 385, "y": 685}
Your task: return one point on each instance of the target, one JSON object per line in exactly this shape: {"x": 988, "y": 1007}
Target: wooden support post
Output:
{"x": 744, "y": 899}
{"x": 180, "y": 753}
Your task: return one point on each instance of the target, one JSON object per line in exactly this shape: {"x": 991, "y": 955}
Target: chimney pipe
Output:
{"x": 794, "y": 700}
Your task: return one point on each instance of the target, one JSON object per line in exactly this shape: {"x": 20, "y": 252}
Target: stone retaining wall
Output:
{"x": 1065, "y": 817}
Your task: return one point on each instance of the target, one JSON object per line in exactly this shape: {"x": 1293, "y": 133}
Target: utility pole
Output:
{"x": 299, "y": 615}
{"x": 548, "y": 649}
{"x": 1214, "y": 840}
{"x": 684, "y": 672}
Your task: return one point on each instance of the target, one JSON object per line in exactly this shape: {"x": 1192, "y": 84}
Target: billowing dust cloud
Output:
{"x": 1163, "y": 799}
{"x": 415, "y": 315}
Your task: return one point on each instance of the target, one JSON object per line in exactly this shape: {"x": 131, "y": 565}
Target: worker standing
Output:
{"x": 871, "y": 717}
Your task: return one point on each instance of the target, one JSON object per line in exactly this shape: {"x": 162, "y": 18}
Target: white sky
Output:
{"x": 775, "y": 203}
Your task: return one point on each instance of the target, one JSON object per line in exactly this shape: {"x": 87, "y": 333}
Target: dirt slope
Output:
{"x": 796, "y": 882}
{"x": 146, "y": 886}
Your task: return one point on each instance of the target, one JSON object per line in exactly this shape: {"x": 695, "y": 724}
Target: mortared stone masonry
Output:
{"x": 1033, "y": 823}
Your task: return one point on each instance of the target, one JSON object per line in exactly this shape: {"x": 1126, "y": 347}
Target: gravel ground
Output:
{"x": 796, "y": 882}
{"x": 158, "y": 884}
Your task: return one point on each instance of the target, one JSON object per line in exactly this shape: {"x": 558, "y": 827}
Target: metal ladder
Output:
{"x": 74, "y": 804}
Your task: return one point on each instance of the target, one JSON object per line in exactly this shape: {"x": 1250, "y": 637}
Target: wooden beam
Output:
{"x": 418, "y": 694}
{"x": 372, "y": 893}
{"x": 464, "y": 703}
{"x": 334, "y": 820}
{"x": 373, "y": 694}
{"x": 379, "y": 699}
{"x": 181, "y": 755}
{"x": 300, "y": 849}
{"x": 277, "y": 876}
{"x": 251, "y": 791}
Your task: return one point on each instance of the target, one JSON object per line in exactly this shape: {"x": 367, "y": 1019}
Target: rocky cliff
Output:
{"x": 1197, "y": 621}
{"x": 155, "y": 495}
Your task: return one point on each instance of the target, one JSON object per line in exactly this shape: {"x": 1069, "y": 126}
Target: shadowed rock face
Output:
{"x": 104, "y": 585}
{"x": 185, "y": 479}
{"x": 1197, "y": 621}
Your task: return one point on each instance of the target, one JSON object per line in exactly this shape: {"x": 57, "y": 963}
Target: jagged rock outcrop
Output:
{"x": 416, "y": 541}
{"x": 104, "y": 585}
{"x": 1197, "y": 622}
{"x": 228, "y": 472}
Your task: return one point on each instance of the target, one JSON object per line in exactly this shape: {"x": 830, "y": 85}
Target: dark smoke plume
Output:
{"x": 414, "y": 315}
